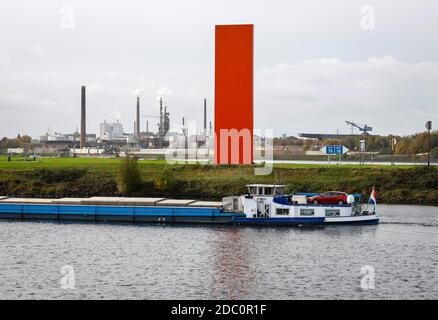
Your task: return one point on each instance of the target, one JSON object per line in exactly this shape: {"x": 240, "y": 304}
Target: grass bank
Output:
{"x": 81, "y": 177}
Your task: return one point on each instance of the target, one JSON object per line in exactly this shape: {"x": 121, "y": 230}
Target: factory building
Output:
{"x": 111, "y": 131}
{"x": 56, "y": 137}
{"x": 69, "y": 139}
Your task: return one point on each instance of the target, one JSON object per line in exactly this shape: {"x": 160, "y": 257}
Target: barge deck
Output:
{"x": 112, "y": 209}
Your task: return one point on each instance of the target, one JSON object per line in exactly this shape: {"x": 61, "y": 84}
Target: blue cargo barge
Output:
{"x": 265, "y": 205}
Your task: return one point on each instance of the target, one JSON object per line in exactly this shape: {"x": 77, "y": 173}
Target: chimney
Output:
{"x": 137, "y": 122}
{"x": 83, "y": 123}
{"x": 205, "y": 115}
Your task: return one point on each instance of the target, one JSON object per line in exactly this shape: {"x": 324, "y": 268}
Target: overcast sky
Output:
{"x": 315, "y": 63}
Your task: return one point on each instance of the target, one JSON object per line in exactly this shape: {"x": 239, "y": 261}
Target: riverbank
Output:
{"x": 98, "y": 177}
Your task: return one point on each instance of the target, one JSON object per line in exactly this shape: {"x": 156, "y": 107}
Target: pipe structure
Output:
{"x": 83, "y": 118}
{"x": 137, "y": 123}
{"x": 205, "y": 115}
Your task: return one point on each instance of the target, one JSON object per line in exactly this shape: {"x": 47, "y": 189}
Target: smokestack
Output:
{"x": 83, "y": 123}
{"x": 147, "y": 126}
{"x": 205, "y": 115}
{"x": 137, "y": 126}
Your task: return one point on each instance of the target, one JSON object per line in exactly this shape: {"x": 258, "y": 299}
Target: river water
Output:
{"x": 114, "y": 261}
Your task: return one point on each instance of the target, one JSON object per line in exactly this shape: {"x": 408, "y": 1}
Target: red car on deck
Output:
{"x": 329, "y": 197}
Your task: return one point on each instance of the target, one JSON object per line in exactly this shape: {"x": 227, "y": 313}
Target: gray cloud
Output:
{"x": 318, "y": 95}
{"x": 314, "y": 66}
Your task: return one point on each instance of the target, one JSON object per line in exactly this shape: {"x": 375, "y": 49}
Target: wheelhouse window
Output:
{"x": 279, "y": 191}
{"x": 282, "y": 212}
{"x": 332, "y": 213}
{"x": 253, "y": 190}
{"x": 269, "y": 191}
{"x": 307, "y": 212}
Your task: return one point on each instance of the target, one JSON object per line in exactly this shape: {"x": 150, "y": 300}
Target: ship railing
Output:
{"x": 357, "y": 209}
{"x": 362, "y": 209}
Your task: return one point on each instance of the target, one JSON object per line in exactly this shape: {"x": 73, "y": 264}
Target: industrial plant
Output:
{"x": 114, "y": 139}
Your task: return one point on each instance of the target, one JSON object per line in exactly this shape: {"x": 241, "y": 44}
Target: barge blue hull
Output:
{"x": 135, "y": 214}
{"x": 114, "y": 213}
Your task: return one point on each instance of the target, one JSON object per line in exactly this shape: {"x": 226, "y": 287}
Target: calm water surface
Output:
{"x": 198, "y": 262}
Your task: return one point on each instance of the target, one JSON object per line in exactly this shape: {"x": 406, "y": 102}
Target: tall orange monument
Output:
{"x": 233, "y": 94}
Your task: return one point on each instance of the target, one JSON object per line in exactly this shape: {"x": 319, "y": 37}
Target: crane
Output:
{"x": 362, "y": 127}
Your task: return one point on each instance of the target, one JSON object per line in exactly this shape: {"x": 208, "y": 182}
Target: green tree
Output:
{"x": 129, "y": 180}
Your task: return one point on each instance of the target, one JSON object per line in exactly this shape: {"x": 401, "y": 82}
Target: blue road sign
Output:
{"x": 335, "y": 149}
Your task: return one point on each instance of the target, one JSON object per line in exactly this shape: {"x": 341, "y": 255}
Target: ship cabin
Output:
{"x": 258, "y": 203}
{"x": 270, "y": 201}
{"x": 265, "y": 190}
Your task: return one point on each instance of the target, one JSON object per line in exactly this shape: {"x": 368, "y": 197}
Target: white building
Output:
{"x": 55, "y": 137}
{"x": 111, "y": 131}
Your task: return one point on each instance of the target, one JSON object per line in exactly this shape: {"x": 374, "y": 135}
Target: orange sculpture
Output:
{"x": 233, "y": 94}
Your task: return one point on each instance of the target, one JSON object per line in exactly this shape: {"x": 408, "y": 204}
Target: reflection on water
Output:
{"x": 214, "y": 262}
{"x": 231, "y": 272}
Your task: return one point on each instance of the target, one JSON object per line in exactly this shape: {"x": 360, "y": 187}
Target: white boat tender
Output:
{"x": 269, "y": 202}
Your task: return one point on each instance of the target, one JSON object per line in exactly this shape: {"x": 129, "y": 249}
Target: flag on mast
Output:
{"x": 373, "y": 198}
